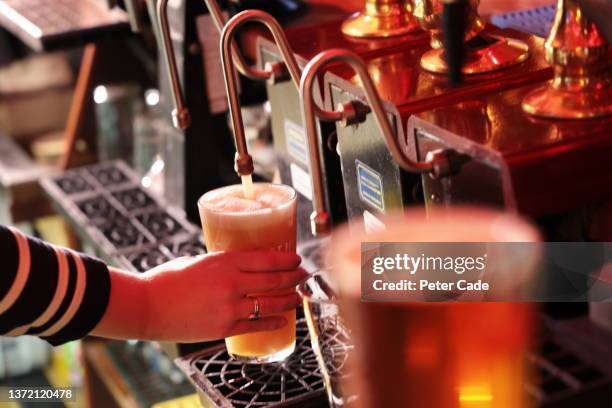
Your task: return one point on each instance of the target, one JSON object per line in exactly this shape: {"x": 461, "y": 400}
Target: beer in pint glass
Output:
{"x": 438, "y": 355}
{"x": 267, "y": 221}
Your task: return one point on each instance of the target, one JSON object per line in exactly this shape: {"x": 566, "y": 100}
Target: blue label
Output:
{"x": 370, "y": 186}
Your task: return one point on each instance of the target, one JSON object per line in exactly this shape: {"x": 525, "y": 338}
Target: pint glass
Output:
{"x": 438, "y": 355}
{"x": 268, "y": 221}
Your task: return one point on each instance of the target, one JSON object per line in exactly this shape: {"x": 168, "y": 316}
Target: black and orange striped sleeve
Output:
{"x": 47, "y": 291}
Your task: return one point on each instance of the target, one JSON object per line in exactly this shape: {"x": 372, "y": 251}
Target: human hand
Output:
{"x": 204, "y": 298}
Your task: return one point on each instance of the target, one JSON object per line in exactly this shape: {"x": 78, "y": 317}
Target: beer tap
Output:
{"x": 581, "y": 87}
{"x": 244, "y": 162}
{"x": 272, "y": 71}
{"x": 438, "y": 164}
{"x": 381, "y": 18}
{"x": 482, "y": 52}
{"x": 275, "y": 71}
{"x": 180, "y": 114}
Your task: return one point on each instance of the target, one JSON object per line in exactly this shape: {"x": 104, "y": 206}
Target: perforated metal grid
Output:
{"x": 562, "y": 375}
{"x": 297, "y": 381}
{"x": 126, "y": 224}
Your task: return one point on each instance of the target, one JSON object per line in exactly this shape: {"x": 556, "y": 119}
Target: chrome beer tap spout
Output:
{"x": 272, "y": 71}
{"x": 180, "y": 115}
{"x": 244, "y": 162}
{"x": 438, "y": 165}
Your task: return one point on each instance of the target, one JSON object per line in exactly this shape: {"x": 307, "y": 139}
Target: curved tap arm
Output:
{"x": 244, "y": 162}
{"x": 180, "y": 115}
{"x": 280, "y": 39}
{"x": 438, "y": 165}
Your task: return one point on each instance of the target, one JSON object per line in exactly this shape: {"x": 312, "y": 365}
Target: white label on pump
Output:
{"x": 296, "y": 142}
{"x": 300, "y": 179}
{"x": 372, "y": 223}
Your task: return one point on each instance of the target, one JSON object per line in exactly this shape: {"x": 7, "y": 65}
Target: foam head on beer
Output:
{"x": 231, "y": 200}
{"x": 234, "y": 222}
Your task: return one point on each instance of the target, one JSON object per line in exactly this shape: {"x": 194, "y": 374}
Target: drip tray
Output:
{"x": 223, "y": 382}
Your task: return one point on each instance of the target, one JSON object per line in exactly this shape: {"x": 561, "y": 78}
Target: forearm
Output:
{"x": 126, "y": 315}
{"x": 47, "y": 291}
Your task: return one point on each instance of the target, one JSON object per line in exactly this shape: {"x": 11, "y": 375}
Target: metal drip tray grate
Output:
{"x": 563, "y": 378}
{"x": 571, "y": 365}
{"x": 223, "y": 382}
{"x": 125, "y": 224}
{"x": 562, "y": 375}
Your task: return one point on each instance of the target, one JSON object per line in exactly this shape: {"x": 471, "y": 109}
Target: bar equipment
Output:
{"x": 574, "y": 145}
{"x": 320, "y": 312}
{"x": 484, "y": 52}
{"x": 513, "y": 157}
{"x": 373, "y": 183}
{"x": 381, "y": 18}
{"x": 127, "y": 225}
{"x": 514, "y": 154}
{"x": 439, "y": 165}
{"x": 580, "y": 55}
{"x": 329, "y": 336}
{"x": 320, "y": 306}
{"x": 223, "y": 382}
{"x": 199, "y": 163}
{"x": 287, "y": 126}
{"x": 181, "y": 117}
{"x": 519, "y": 149}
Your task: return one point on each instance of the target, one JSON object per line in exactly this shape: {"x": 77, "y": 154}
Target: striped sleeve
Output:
{"x": 50, "y": 292}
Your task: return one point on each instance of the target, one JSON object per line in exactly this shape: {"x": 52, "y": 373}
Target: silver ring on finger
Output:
{"x": 255, "y": 315}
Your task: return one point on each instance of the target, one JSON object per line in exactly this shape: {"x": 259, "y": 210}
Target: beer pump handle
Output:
{"x": 180, "y": 115}
{"x": 438, "y": 165}
{"x": 454, "y": 23}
